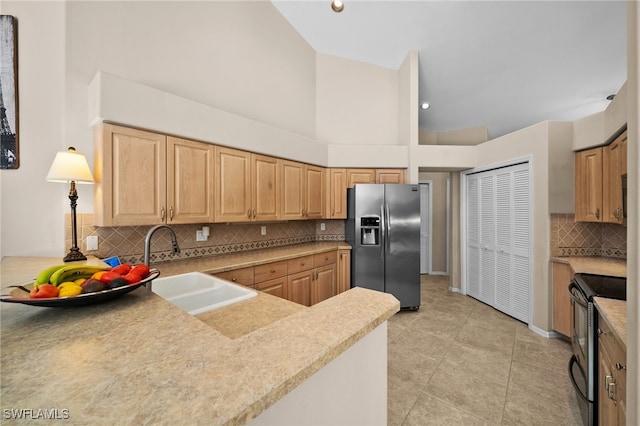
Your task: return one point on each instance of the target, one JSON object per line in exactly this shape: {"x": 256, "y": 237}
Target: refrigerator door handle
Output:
{"x": 383, "y": 232}
{"x": 388, "y": 227}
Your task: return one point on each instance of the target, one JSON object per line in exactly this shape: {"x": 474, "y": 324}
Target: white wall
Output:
{"x": 357, "y": 103}
{"x": 33, "y": 209}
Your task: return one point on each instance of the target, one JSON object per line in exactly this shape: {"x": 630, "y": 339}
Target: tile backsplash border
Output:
{"x": 127, "y": 242}
{"x": 571, "y": 238}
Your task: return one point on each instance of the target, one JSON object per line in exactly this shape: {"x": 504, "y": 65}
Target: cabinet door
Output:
{"x": 275, "y": 287}
{"x": 344, "y": 270}
{"x": 189, "y": 181}
{"x": 233, "y": 185}
{"x": 562, "y": 314}
{"x": 389, "y": 176}
{"x": 293, "y": 201}
{"x": 607, "y": 410}
{"x": 623, "y": 153}
{"x": 314, "y": 192}
{"x": 323, "y": 285}
{"x": 265, "y": 195}
{"x": 612, "y": 183}
{"x": 299, "y": 287}
{"x": 130, "y": 177}
{"x": 337, "y": 194}
{"x": 588, "y": 190}
{"x": 360, "y": 176}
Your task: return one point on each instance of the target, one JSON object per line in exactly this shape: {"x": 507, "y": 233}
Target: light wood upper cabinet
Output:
{"x": 355, "y": 176}
{"x": 246, "y": 186}
{"x": 292, "y": 193}
{"x": 389, "y": 175}
{"x": 314, "y": 192}
{"x": 145, "y": 178}
{"x": 189, "y": 181}
{"x": 303, "y": 191}
{"x": 588, "y": 189}
{"x": 612, "y": 183}
{"x": 598, "y": 184}
{"x": 336, "y": 194}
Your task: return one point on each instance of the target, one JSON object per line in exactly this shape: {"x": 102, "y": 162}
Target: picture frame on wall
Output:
{"x": 9, "y": 146}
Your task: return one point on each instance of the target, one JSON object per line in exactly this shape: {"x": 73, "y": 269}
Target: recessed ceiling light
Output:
{"x": 337, "y": 6}
{"x": 424, "y": 105}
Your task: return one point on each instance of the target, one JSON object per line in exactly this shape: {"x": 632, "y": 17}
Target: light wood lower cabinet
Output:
{"x": 562, "y": 314}
{"x": 612, "y": 361}
{"x": 306, "y": 280}
{"x": 344, "y": 270}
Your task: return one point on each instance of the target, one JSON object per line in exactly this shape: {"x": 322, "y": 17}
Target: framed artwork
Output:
{"x": 9, "y": 152}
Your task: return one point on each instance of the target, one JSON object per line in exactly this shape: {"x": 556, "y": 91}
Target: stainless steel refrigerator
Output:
{"x": 383, "y": 229}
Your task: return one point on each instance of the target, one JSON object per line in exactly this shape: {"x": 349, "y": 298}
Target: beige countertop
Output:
{"x": 222, "y": 263}
{"x": 615, "y": 313}
{"x": 595, "y": 265}
{"x": 140, "y": 360}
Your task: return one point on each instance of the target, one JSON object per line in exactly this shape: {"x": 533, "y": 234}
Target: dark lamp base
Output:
{"x": 73, "y": 255}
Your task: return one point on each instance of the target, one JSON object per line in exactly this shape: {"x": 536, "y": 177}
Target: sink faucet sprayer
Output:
{"x": 147, "y": 247}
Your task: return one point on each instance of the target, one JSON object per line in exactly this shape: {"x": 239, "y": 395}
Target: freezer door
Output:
{"x": 402, "y": 248}
{"x": 367, "y": 260}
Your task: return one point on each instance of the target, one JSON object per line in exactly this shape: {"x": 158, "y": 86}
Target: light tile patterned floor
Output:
{"x": 457, "y": 361}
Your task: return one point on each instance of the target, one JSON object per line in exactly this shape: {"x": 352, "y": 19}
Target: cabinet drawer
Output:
{"x": 242, "y": 276}
{"x": 270, "y": 271}
{"x": 300, "y": 264}
{"x": 322, "y": 259}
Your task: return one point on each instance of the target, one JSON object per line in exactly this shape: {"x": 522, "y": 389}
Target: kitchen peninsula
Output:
{"x": 140, "y": 360}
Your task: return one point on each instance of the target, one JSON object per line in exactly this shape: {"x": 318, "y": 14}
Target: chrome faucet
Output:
{"x": 147, "y": 246}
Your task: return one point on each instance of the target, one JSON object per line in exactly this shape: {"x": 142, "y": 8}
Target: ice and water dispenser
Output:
{"x": 370, "y": 230}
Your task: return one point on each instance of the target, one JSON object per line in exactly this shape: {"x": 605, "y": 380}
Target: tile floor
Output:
{"x": 457, "y": 361}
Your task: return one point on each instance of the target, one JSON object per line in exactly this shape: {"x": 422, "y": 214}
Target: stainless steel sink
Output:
{"x": 197, "y": 293}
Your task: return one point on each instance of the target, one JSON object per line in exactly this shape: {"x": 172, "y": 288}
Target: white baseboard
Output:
{"x": 455, "y": 290}
{"x": 438, "y": 273}
{"x": 548, "y": 334}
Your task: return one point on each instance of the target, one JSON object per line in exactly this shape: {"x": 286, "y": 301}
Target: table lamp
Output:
{"x": 71, "y": 166}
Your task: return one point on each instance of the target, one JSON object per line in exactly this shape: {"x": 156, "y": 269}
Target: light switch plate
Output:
{"x": 200, "y": 236}
{"x": 263, "y": 230}
{"x": 92, "y": 243}
{"x": 323, "y": 227}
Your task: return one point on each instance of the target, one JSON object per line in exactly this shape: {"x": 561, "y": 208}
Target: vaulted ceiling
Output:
{"x": 500, "y": 64}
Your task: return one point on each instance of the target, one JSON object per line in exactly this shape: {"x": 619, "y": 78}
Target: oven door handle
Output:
{"x": 574, "y": 360}
{"x": 574, "y": 298}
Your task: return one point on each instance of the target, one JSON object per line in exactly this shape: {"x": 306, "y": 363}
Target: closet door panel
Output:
{"x": 487, "y": 239}
{"x": 473, "y": 238}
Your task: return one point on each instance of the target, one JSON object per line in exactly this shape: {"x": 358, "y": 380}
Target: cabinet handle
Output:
{"x": 234, "y": 279}
{"x": 254, "y": 213}
{"x": 249, "y": 213}
{"x": 620, "y": 366}
{"x": 598, "y": 213}
{"x": 607, "y": 382}
{"x": 273, "y": 270}
{"x": 162, "y": 213}
{"x": 600, "y": 331}
{"x": 171, "y": 213}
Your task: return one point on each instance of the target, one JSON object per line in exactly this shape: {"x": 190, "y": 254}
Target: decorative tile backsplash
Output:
{"x": 571, "y": 238}
{"x": 127, "y": 242}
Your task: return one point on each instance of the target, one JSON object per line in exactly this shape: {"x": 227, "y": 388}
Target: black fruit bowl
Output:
{"x": 18, "y": 296}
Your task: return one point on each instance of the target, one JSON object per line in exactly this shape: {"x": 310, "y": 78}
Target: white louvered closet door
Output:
{"x": 473, "y": 237}
{"x": 500, "y": 215}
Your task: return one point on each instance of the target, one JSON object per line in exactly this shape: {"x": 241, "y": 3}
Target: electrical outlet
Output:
{"x": 200, "y": 236}
{"x": 263, "y": 230}
{"x": 323, "y": 226}
{"x": 92, "y": 243}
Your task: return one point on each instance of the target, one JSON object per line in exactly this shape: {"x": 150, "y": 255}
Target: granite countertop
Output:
{"x": 615, "y": 313}
{"x": 595, "y": 265}
{"x": 140, "y": 360}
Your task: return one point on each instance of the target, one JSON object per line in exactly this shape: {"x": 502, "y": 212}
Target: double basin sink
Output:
{"x": 197, "y": 293}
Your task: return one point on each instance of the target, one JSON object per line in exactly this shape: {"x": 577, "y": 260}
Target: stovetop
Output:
{"x": 602, "y": 286}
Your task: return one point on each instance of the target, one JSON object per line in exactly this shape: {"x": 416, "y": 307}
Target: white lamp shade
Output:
{"x": 70, "y": 166}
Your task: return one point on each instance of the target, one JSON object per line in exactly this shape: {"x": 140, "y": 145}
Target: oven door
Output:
{"x": 582, "y": 340}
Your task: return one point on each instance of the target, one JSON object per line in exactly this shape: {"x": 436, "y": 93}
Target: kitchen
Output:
{"x": 66, "y": 82}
